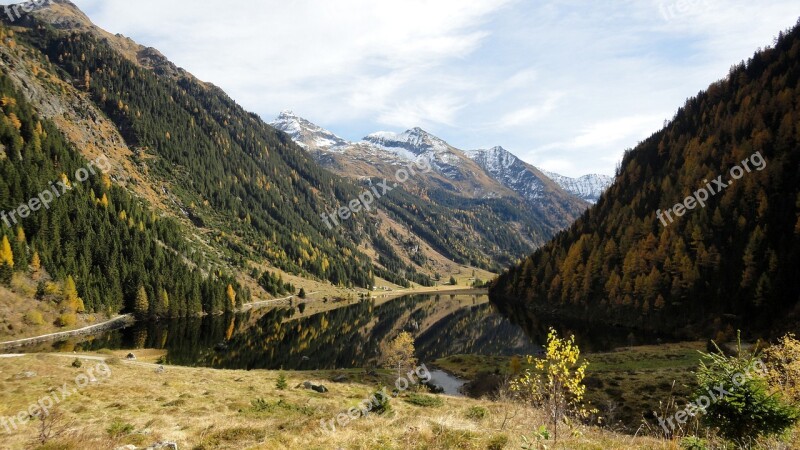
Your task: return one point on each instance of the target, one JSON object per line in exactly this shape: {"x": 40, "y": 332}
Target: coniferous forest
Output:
{"x": 731, "y": 265}
{"x": 114, "y": 248}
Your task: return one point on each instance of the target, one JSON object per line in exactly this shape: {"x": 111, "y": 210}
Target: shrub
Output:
{"x": 749, "y": 410}
{"x": 694, "y": 443}
{"x": 783, "y": 360}
{"x": 424, "y": 400}
{"x": 556, "y": 384}
{"x": 381, "y": 402}
{"x": 497, "y": 442}
{"x": 77, "y": 363}
{"x": 260, "y": 405}
{"x": 34, "y": 318}
{"x": 477, "y": 413}
{"x": 67, "y": 320}
{"x": 119, "y": 428}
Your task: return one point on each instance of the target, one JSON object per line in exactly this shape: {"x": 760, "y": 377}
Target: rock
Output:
{"x": 314, "y": 387}
{"x": 131, "y": 357}
{"x": 126, "y": 447}
{"x": 305, "y": 358}
{"x": 339, "y": 378}
{"x": 24, "y": 375}
{"x": 434, "y": 388}
{"x": 160, "y": 369}
{"x": 163, "y": 446}
{"x": 221, "y": 347}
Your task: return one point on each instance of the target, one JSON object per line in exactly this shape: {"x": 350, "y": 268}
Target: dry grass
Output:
{"x": 18, "y": 302}
{"x": 211, "y": 409}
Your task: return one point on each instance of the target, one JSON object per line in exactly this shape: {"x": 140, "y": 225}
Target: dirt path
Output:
{"x": 109, "y": 324}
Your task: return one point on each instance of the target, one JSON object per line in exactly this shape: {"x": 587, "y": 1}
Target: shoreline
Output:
{"x": 111, "y": 324}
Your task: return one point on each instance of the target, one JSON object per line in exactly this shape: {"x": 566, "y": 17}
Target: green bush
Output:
{"x": 119, "y": 428}
{"x": 477, "y": 413}
{"x": 381, "y": 402}
{"x": 424, "y": 400}
{"x": 749, "y": 410}
{"x": 694, "y": 443}
{"x": 260, "y": 405}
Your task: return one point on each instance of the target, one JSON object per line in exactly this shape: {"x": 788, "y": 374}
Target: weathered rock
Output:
{"x": 339, "y": 378}
{"x": 131, "y": 357}
{"x": 319, "y": 388}
{"x": 25, "y": 375}
{"x": 163, "y": 446}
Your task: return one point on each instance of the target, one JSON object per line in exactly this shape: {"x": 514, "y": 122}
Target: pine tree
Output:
{"x": 281, "y": 384}
{"x": 142, "y": 305}
{"x": 163, "y": 304}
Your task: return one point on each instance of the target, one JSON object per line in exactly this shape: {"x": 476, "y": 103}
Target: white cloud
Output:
{"x": 564, "y": 84}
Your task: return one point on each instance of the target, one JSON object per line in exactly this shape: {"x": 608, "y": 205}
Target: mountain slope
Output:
{"x": 454, "y": 172}
{"x": 731, "y": 264}
{"x": 527, "y": 181}
{"x": 245, "y": 196}
{"x": 587, "y": 187}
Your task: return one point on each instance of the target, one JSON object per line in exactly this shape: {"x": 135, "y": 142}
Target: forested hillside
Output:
{"x": 111, "y": 246}
{"x": 732, "y": 264}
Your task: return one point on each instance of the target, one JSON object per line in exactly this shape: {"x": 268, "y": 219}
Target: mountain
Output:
{"x": 530, "y": 183}
{"x": 306, "y": 134}
{"x": 237, "y": 207}
{"x": 700, "y": 233}
{"x": 470, "y": 174}
{"x": 587, "y": 187}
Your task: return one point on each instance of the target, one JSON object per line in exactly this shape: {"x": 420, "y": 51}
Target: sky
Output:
{"x": 566, "y": 85}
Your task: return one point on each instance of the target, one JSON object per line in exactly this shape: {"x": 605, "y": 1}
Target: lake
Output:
{"x": 343, "y": 337}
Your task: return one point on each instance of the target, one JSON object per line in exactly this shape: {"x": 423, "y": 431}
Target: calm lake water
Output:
{"x": 346, "y": 337}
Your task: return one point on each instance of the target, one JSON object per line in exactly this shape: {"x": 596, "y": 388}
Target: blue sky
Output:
{"x": 565, "y": 85}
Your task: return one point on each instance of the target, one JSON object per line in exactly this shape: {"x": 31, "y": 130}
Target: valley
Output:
{"x": 189, "y": 269}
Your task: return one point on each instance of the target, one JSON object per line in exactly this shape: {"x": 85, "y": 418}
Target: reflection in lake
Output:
{"x": 346, "y": 337}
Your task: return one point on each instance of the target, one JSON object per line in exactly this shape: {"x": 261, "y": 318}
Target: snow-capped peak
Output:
{"x": 495, "y": 160}
{"x": 588, "y": 187}
{"x": 412, "y": 143}
{"x": 307, "y": 134}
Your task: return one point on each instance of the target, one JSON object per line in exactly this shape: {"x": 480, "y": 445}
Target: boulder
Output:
{"x": 319, "y": 388}
{"x": 163, "y": 446}
{"x": 131, "y": 357}
{"x": 339, "y": 378}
